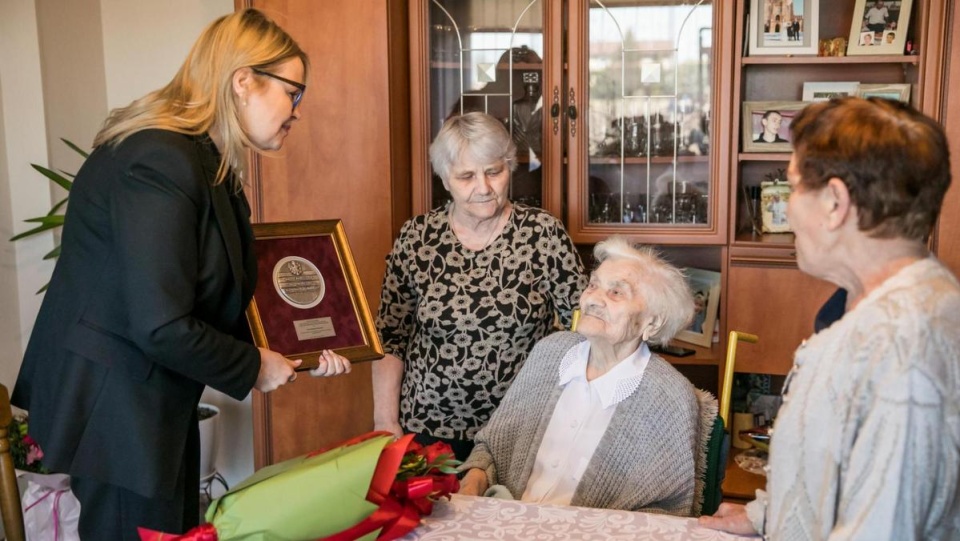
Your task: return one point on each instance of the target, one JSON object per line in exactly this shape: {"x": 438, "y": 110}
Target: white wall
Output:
{"x": 22, "y": 194}
{"x": 63, "y": 65}
{"x": 144, "y": 43}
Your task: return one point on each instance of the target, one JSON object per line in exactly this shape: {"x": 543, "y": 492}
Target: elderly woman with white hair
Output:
{"x": 469, "y": 288}
{"x": 595, "y": 419}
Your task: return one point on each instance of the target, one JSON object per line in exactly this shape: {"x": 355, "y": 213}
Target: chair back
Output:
{"x": 729, "y": 368}
{"x": 711, "y": 456}
{"x": 10, "y": 507}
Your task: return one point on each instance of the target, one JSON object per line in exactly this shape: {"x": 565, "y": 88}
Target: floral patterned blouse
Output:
{"x": 463, "y": 321}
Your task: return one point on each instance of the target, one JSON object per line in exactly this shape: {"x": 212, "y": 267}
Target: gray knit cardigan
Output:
{"x": 645, "y": 460}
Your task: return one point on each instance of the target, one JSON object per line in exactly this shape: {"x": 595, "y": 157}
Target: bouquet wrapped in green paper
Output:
{"x": 370, "y": 487}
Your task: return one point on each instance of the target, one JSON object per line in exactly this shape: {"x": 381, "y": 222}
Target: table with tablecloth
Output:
{"x": 469, "y": 517}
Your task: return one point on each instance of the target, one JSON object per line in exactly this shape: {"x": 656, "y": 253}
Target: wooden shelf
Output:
{"x": 738, "y": 484}
{"x": 702, "y": 355}
{"x": 768, "y": 240}
{"x": 764, "y": 156}
{"x": 771, "y": 249}
{"x": 826, "y": 60}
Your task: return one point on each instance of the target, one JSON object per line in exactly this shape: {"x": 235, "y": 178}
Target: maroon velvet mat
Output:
{"x": 278, "y": 316}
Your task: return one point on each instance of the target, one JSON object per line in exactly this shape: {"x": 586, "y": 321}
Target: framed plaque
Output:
{"x": 309, "y": 297}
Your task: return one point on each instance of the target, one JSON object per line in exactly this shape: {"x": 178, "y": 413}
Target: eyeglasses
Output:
{"x": 297, "y": 96}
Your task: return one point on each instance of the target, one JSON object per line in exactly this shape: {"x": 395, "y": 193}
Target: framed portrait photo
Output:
{"x": 308, "y": 296}
{"x": 784, "y": 27}
{"x": 825, "y": 91}
{"x": 766, "y": 125}
{"x": 705, "y": 286}
{"x": 879, "y": 27}
{"x": 895, "y": 92}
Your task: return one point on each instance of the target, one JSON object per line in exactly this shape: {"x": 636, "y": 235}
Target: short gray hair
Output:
{"x": 483, "y": 136}
{"x": 664, "y": 288}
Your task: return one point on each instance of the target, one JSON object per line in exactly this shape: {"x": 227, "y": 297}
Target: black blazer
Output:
{"x": 145, "y": 308}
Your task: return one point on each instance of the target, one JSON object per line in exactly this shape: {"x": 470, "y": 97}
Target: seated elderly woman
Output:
{"x": 594, "y": 419}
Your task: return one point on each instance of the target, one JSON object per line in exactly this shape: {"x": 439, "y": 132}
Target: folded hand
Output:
{"x": 730, "y": 517}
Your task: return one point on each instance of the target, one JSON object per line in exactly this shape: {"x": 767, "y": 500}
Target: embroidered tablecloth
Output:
{"x": 468, "y": 517}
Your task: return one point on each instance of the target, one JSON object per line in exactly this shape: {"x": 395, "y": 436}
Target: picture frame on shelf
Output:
{"x": 309, "y": 298}
{"x": 895, "y": 92}
{"x": 774, "y": 196}
{"x": 766, "y": 125}
{"x": 778, "y": 27}
{"x": 879, "y": 27}
{"x": 824, "y": 91}
{"x": 705, "y": 285}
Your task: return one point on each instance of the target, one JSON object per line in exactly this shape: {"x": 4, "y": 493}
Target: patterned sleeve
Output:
{"x": 903, "y": 469}
{"x": 566, "y": 273}
{"x": 398, "y": 297}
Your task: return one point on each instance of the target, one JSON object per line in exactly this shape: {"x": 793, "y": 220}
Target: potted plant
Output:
{"x": 53, "y": 219}
{"x": 209, "y": 419}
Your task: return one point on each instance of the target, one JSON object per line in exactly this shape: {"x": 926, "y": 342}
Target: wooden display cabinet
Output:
{"x": 500, "y": 57}
{"x": 766, "y": 294}
{"x": 626, "y": 114}
{"x": 644, "y": 158}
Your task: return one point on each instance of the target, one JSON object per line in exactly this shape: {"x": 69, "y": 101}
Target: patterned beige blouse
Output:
{"x": 867, "y": 443}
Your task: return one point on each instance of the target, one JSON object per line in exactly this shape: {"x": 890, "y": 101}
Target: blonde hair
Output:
{"x": 200, "y": 97}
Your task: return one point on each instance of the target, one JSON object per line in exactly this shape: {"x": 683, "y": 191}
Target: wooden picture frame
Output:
{"x": 887, "y": 37}
{"x": 895, "y": 92}
{"x": 308, "y": 296}
{"x": 705, "y": 286}
{"x": 824, "y": 91}
{"x": 799, "y": 37}
{"x": 755, "y": 115}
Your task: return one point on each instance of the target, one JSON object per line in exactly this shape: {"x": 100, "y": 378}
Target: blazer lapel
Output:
{"x": 223, "y": 210}
{"x": 228, "y": 229}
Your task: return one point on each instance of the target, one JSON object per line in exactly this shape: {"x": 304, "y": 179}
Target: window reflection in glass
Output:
{"x": 650, "y": 69}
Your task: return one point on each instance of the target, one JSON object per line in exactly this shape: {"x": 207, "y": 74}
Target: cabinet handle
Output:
{"x": 572, "y": 113}
{"x": 555, "y": 110}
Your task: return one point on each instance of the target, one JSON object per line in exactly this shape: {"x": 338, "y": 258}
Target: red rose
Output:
{"x": 435, "y": 450}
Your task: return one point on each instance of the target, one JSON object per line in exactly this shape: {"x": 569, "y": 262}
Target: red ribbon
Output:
{"x": 203, "y": 532}
{"x": 401, "y": 503}
{"x": 352, "y": 441}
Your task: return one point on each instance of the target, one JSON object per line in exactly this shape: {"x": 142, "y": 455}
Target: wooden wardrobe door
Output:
{"x": 347, "y": 158}
{"x": 779, "y": 305}
{"x": 947, "y": 242}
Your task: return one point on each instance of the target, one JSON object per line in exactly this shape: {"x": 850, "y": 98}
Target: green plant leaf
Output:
{"x": 54, "y": 176}
{"x": 77, "y": 149}
{"x": 34, "y": 231}
{"x": 50, "y": 219}
{"x": 58, "y": 206}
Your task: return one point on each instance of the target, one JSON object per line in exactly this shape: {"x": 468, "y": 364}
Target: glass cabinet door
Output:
{"x": 488, "y": 55}
{"x": 640, "y": 157}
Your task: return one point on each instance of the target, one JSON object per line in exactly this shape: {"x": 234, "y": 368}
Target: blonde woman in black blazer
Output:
{"x": 146, "y": 305}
